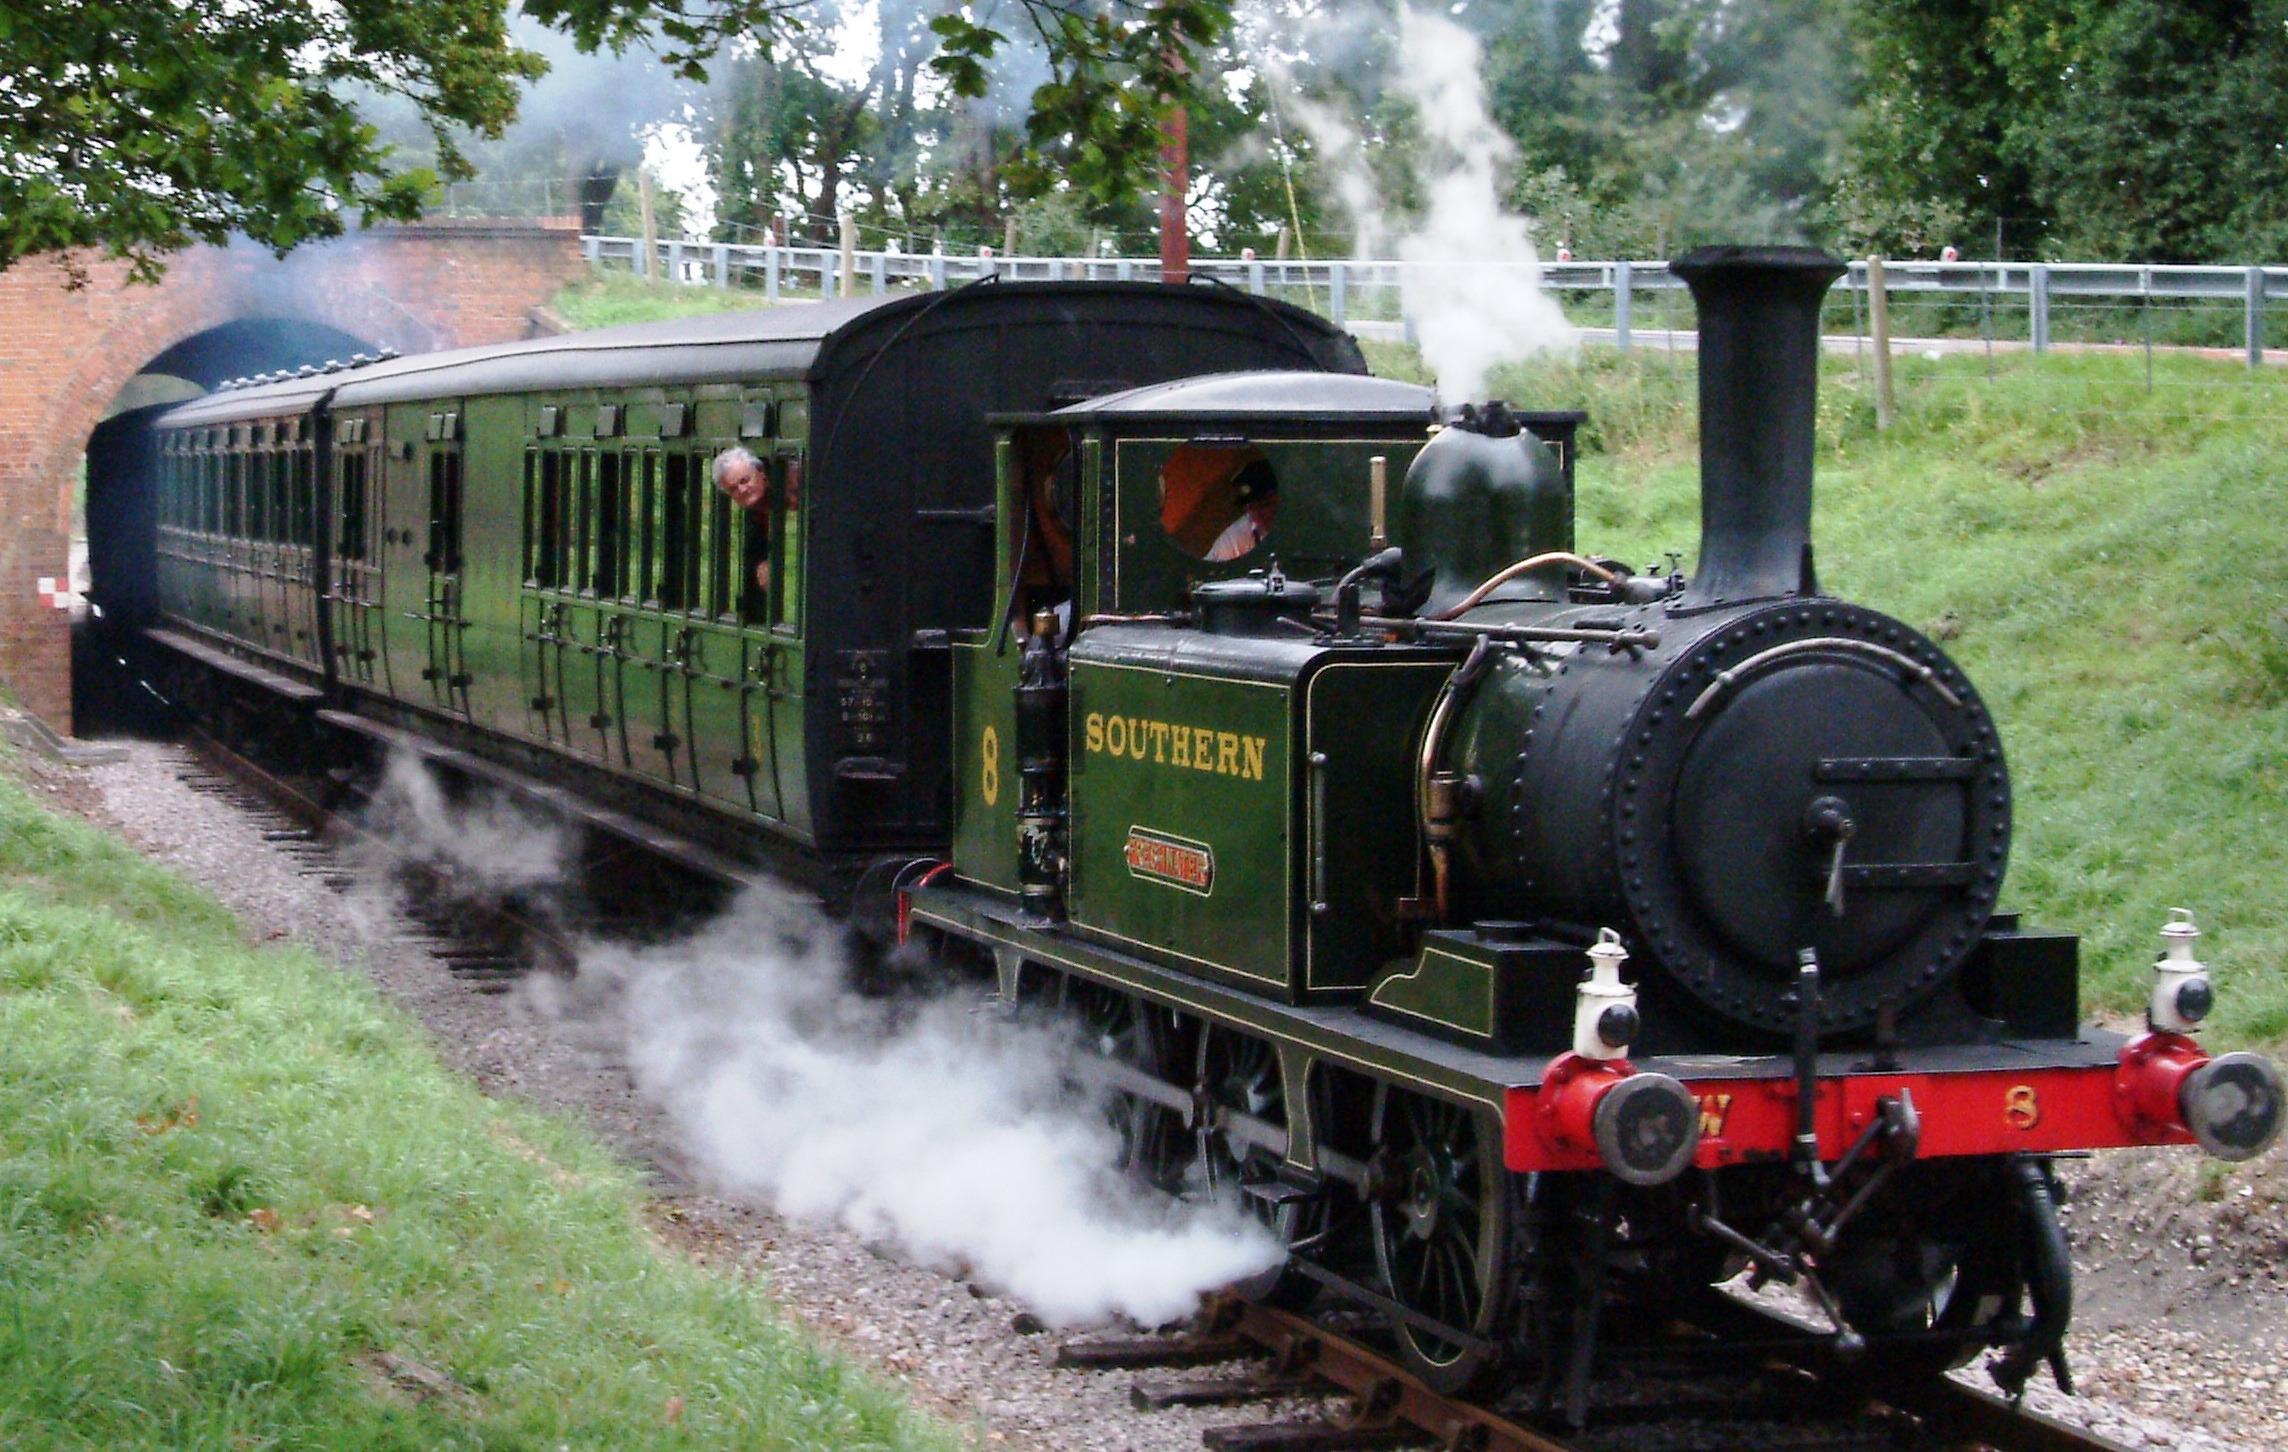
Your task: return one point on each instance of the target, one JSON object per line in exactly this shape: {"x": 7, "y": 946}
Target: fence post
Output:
{"x": 2038, "y": 305}
{"x": 771, "y": 272}
{"x": 675, "y": 261}
{"x": 2255, "y": 317}
{"x": 1879, "y": 318}
{"x": 1624, "y": 281}
{"x": 592, "y": 250}
{"x": 937, "y": 272}
{"x": 881, "y": 273}
{"x": 1255, "y": 278}
{"x": 722, "y": 264}
{"x": 1338, "y": 299}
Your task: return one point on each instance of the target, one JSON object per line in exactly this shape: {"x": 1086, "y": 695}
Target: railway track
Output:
{"x": 480, "y": 939}
{"x": 1780, "y": 1391}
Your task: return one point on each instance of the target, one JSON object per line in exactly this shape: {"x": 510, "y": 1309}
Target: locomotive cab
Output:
{"x": 1245, "y": 742}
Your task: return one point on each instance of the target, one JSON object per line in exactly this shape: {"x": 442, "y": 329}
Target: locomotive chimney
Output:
{"x": 1759, "y": 396}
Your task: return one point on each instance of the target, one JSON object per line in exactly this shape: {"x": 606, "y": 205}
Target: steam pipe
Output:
{"x": 1759, "y": 398}
{"x": 1508, "y": 573}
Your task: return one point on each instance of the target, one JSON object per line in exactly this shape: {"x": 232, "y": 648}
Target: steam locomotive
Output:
{"x": 1520, "y": 937}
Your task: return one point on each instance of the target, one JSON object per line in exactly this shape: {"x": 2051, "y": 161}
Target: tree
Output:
{"x": 1655, "y": 124}
{"x": 142, "y": 126}
{"x": 2145, "y": 129}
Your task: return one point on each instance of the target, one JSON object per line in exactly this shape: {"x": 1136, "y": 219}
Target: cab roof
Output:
{"x": 1283, "y": 393}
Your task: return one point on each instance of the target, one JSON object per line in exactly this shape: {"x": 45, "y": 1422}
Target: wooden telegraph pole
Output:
{"x": 1175, "y": 184}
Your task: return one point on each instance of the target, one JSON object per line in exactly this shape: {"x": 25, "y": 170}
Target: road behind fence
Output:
{"x": 1946, "y": 305}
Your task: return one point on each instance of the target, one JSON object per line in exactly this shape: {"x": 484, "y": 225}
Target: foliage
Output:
{"x": 1115, "y": 67}
{"x": 141, "y": 128}
{"x": 242, "y": 1205}
{"x": 795, "y": 141}
{"x": 1652, "y": 125}
{"x": 2083, "y": 129}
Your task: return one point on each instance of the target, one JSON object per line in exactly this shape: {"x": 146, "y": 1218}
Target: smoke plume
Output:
{"x": 1473, "y": 279}
{"x": 939, "y": 1126}
{"x": 487, "y": 845}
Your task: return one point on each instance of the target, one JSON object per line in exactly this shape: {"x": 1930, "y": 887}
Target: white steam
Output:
{"x": 486, "y": 845}
{"x": 1473, "y": 279}
{"x": 940, "y": 1127}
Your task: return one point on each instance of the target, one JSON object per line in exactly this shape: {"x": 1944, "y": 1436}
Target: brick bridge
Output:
{"x": 81, "y": 367}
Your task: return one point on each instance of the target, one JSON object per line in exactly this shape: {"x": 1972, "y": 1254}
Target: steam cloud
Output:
{"x": 952, "y": 1133}
{"x": 932, "y": 1123}
{"x": 1472, "y": 278}
{"x": 488, "y": 846}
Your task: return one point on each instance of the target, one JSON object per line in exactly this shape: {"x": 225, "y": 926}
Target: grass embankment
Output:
{"x": 2109, "y": 564}
{"x": 242, "y": 1205}
{"x": 609, "y": 298}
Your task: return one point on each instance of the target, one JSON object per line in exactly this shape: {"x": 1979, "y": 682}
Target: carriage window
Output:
{"x": 351, "y": 545}
{"x": 757, "y": 575}
{"x": 444, "y": 556}
{"x": 611, "y": 521}
{"x": 269, "y": 491}
{"x": 722, "y": 559}
{"x": 582, "y": 525}
{"x": 532, "y": 522}
{"x": 643, "y": 530}
{"x": 303, "y": 530}
{"x": 270, "y": 497}
{"x": 555, "y": 518}
{"x": 786, "y": 553}
{"x": 682, "y": 512}
{"x": 234, "y": 495}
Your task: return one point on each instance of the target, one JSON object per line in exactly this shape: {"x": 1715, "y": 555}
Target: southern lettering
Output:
{"x": 1168, "y": 743}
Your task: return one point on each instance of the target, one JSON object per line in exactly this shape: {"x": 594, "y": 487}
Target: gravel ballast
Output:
{"x": 2181, "y": 1329}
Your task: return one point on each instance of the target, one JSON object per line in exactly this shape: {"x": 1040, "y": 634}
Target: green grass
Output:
{"x": 608, "y": 299}
{"x": 2109, "y": 564}
{"x": 232, "y": 1184}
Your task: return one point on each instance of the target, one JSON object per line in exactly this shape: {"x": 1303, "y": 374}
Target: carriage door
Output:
{"x": 360, "y": 654}
{"x": 445, "y": 624}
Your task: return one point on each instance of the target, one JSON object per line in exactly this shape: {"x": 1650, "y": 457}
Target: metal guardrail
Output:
{"x": 1369, "y": 296}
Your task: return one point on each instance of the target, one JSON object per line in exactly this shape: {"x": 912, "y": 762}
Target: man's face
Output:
{"x": 745, "y": 484}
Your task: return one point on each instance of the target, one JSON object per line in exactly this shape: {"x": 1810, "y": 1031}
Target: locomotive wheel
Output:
{"x": 1240, "y": 1073}
{"x": 1441, "y": 1219}
{"x": 1155, "y": 1147}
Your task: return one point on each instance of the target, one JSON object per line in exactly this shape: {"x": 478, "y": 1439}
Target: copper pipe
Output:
{"x": 1508, "y": 573}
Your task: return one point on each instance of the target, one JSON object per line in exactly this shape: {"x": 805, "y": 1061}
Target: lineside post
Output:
{"x": 2038, "y": 305}
{"x": 1879, "y": 319}
{"x": 2254, "y": 317}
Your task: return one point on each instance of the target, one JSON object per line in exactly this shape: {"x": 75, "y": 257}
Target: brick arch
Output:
{"x": 65, "y": 351}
